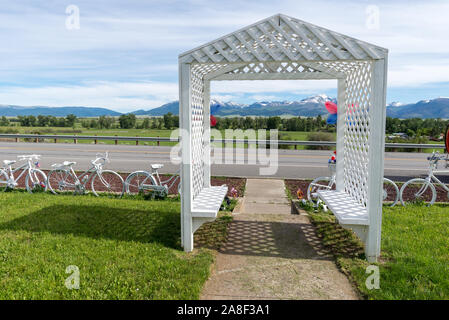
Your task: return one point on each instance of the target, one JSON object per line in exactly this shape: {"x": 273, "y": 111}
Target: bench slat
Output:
{"x": 344, "y": 207}
{"x": 208, "y": 202}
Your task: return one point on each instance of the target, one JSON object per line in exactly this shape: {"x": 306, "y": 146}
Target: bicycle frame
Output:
{"x": 26, "y": 168}
{"x": 170, "y": 181}
{"x": 431, "y": 178}
{"x": 332, "y": 181}
{"x": 84, "y": 178}
{"x": 161, "y": 185}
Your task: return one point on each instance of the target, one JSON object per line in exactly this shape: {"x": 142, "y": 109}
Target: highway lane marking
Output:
{"x": 164, "y": 152}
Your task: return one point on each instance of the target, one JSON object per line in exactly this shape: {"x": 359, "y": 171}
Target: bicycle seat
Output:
{"x": 69, "y": 163}
{"x": 157, "y": 166}
{"x": 8, "y": 162}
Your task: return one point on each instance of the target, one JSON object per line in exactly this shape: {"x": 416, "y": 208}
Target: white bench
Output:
{"x": 208, "y": 202}
{"x": 344, "y": 207}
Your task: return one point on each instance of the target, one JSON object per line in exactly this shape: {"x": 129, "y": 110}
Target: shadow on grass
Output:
{"x": 160, "y": 225}
{"x": 341, "y": 242}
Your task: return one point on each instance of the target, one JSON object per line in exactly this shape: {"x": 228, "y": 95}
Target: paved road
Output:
{"x": 125, "y": 158}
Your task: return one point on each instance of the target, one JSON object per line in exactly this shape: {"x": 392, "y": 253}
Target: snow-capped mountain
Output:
{"x": 310, "y": 107}
{"x": 434, "y": 108}
{"x": 395, "y": 104}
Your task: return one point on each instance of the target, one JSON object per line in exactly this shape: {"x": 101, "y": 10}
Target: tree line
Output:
{"x": 308, "y": 124}
{"x": 415, "y": 127}
{"x": 41, "y": 121}
{"x": 125, "y": 121}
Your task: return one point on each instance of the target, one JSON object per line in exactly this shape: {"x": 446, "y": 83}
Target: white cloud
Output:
{"x": 124, "y": 42}
{"x": 261, "y": 97}
{"x": 418, "y": 74}
{"x": 122, "y": 96}
{"x": 225, "y": 97}
{"x": 271, "y": 86}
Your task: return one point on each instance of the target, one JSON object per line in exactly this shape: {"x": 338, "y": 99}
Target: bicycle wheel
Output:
{"x": 321, "y": 183}
{"x": 3, "y": 181}
{"x": 390, "y": 192}
{"x": 109, "y": 183}
{"x": 418, "y": 191}
{"x": 36, "y": 181}
{"x": 61, "y": 180}
{"x": 139, "y": 182}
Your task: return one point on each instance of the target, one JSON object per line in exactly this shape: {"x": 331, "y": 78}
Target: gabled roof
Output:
{"x": 283, "y": 38}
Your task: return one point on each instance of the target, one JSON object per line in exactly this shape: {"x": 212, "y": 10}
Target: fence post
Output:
{"x": 37, "y": 140}
{"x": 75, "y": 141}
{"x": 17, "y": 139}
{"x": 158, "y": 142}
{"x": 95, "y": 141}
{"x": 56, "y": 140}
{"x": 116, "y": 141}
{"x": 137, "y": 141}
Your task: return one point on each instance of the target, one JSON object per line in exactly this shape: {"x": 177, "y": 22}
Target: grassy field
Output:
{"x": 284, "y": 135}
{"x": 124, "y": 249}
{"x": 415, "y": 252}
{"x": 78, "y": 130}
{"x": 92, "y": 132}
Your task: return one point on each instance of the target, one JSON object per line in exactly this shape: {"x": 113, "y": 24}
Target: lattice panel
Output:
{"x": 283, "y": 38}
{"x": 357, "y": 130}
{"x": 197, "y": 129}
{"x": 356, "y": 125}
{"x": 283, "y": 67}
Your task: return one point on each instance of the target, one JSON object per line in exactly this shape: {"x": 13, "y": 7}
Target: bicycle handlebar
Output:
{"x": 101, "y": 157}
{"x": 436, "y": 156}
{"x": 433, "y": 158}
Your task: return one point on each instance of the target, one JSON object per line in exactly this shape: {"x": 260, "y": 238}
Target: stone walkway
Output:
{"x": 265, "y": 196}
{"x": 272, "y": 254}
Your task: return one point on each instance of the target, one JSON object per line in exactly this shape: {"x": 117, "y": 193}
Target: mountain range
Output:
{"x": 308, "y": 107}
{"x": 435, "y": 108}
{"x": 14, "y": 111}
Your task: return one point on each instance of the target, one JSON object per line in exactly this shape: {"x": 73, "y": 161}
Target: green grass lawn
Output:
{"x": 415, "y": 252}
{"x": 124, "y": 249}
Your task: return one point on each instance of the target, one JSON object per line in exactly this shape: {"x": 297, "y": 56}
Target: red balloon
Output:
{"x": 213, "y": 121}
{"x": 331, "y": 107}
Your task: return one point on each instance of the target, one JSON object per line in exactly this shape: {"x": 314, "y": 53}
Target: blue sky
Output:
{"x": 124, "y": 54}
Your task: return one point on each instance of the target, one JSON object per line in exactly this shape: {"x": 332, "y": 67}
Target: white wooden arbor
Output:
{"x": 285, "y": 48}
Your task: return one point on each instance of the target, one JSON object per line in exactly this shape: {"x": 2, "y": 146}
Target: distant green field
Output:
{"x": 284, "y": 135}
{"x": 91, "y": 132}
{"x": 78, "y": 130}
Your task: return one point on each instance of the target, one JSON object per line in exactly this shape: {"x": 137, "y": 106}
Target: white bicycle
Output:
{"x": 35, "y": 179}
{"x": 144, "y": 182}
{"x": 423, "y": 191}
{"x": 64, "y": 179}
{"x": 390, "y": 189}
